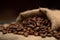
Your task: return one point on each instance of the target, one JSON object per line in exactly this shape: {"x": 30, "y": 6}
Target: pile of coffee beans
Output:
{"x": 36, "y": 26}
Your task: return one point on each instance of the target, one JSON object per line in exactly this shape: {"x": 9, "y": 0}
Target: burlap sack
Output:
{"x": 20, "y": 37}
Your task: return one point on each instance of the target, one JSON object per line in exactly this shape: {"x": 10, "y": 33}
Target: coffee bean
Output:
{"x": 40, "y": 31}
{"x": 34, "y": 18}
{"x": 31, "y": 32}
{"x": 38, "y": 24}
{"x": 39, "y": 19}
{"x": 43, "y": 35}
{"x": 54, "y": 35}
{"x": 4, "y": 28}
{"x": 9, "y": 31}
{"x": 28, "y": 28}
{"x": 20, "y": 33}
{"x": 12, "y": 25}
{"x": 43, "y": 32}
{"x": 49, "y": 28}
{"x": 36, "y": 33}
{"x": 57, "y": 37}
{"x": 46, "y": 21}
{"x": 24, "y": 22}
{"x": 24, "y": 30}
{"x": 32, "y": 26}
{"x": 18, "y": 29}
{"x": 37, "y": 28}
{"x": 27, "y": 31}
{"x": 26, "y": 34}
{"x": 42, "y": 27}
{"x": 49, "y": 35}
{"x": 48, "y": 24}
{"x": 15, "y": 32}
{"x": 4, "y": 31}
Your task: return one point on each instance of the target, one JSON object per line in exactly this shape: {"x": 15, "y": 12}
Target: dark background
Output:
{"x": 9, "y": 9}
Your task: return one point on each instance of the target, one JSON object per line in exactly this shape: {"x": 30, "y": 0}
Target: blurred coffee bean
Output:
{"x": 36, "y": 33}
{"x": 4, "y": 31}
{"x": 43, "y": 35}
{"x": 31, "y": 32}
{"x": 15, "y": 32}
{"x": 55, "y": 32}
{"x": 37, "y": 28}
{"x": 39, "y": 19}
{"x": 38, "y": 24}
{"x": 25, "y": 34}
{"x": 49, "y": 35}
{"x": 32, "y": 26}
{"x": 27, "y": 31}
{"x": 28, "y": 28}
{"x": 9, "y": 31}
{"x": 57, "y": 37}
{"x": 24, "y": 30}
{"x": 54, "y": 35}
{"x": 20, "y": 33}
{"x": 34, "y": 18}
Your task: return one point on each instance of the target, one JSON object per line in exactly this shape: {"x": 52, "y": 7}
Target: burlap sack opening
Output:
{"x": 30, "y": 13}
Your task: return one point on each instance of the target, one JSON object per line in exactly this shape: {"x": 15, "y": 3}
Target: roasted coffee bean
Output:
{"x": 21, "y": 26}
{"x": 38, "y": 24}
{"x": 31, "y": 32}
{"x": 57, "y": 37}
{"x": 29, "y": 21}
{"x": 12, "y": 25}
{"x": 24, "y": 30}
{"x": 49, "y": 28}
{"x": 26, "y": 34}
{"x": 18, "y": 29}
{"x": 4, "y": 28}
{"x": 43, "y": 35}
{"x": 54, "y": 35}
{"x": 45, "y": 21}
{"x": 40, "y": 31}
{"x": 49, "y": 35}
{"x": 27, "y": 31}
{"x": 28, "y": 28}
{"x": 4, "y": 31}
{"x": 34, "y": 18}
{"x": 55, "y": 32}
{"x": 49, "y": 24}
{"x": 24, "y": 22}
{"x": 20, "y": 33}
{"x": 15, "y": 32}
{"x": 36, "y": 33}
{"x": 37, "y": 28}
{"x": 39, "y": 19}
{"x": 46, "y": 30}
{"x": 42, "y": 27}
{"x": 32, "y": 26}
{"x": 9, "y": 31}
{"x": 43, "y": 32}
